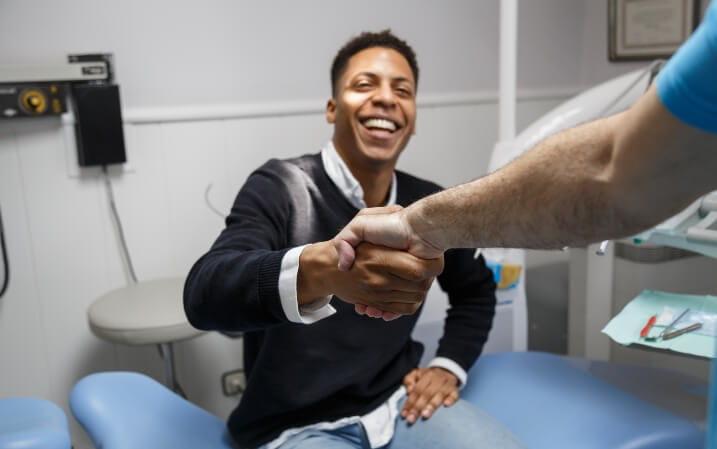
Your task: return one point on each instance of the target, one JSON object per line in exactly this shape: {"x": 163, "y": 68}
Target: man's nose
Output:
{"x": 385, "y": 95}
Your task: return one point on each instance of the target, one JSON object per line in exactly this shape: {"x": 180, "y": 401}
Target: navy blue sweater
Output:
{"x": 343, "y": 365}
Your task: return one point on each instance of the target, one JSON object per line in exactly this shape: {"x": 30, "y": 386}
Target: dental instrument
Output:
{"x": 684, "y": 330}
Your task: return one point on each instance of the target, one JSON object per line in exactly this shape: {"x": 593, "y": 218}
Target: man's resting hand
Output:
{"x": 428, "y": 389}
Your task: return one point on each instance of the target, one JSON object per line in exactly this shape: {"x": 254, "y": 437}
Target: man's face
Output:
{"x": 374, "y": 109}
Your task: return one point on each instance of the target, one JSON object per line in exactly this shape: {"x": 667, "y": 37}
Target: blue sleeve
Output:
{"x": 687, "y": 85}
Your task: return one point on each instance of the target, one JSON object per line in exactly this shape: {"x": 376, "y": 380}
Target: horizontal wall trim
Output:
{"x": 193, "y": 113}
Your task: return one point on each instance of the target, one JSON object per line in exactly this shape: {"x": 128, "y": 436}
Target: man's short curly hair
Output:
{"x": 369, "y": 39}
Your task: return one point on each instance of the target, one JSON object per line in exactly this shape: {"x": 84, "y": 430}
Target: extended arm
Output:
{"x": 605, "y": 179}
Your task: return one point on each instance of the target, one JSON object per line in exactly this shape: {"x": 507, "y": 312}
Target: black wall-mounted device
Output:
{"x": 98, "y": 124}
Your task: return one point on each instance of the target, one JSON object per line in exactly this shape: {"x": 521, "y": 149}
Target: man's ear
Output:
{"x": 331, "y": 111}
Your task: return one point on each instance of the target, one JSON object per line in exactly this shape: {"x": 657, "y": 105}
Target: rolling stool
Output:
{"x": 125, "y": 410}
{"x": 30, "y": 423}
{"x": 148, "y": 312}
{"x": 549, "y": 401}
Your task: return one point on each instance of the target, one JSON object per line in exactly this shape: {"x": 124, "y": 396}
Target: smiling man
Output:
{"x": 320, "y": 375}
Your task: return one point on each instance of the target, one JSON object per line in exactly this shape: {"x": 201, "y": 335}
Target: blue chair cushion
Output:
{"x": 125, "y": 410}
{"x": 549, "y": 403}
{"x": 545, "y": 400}
{"x": 31, "y": 423}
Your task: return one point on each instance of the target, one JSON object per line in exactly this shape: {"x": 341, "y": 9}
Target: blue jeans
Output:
{"x": 457, "y": 427}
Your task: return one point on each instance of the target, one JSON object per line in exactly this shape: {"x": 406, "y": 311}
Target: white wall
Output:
{"x": 62, "y": 248}
{"x": 225, "y": 51}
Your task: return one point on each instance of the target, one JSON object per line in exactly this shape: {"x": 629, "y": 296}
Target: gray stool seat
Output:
{"x": 148, "y": 312}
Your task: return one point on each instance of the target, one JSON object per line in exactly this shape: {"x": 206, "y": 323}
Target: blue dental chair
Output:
{"x": 126, "y": 410}
{"x": 550, "y": 401}
{"x": 30, "y": 423}
{"x": 547, "y": 401}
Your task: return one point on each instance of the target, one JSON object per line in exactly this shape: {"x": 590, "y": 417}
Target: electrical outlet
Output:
{"x": 234, "y": 382}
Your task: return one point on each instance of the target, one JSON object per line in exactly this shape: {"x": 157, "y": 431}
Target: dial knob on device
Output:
{"x": 33, "y": 101}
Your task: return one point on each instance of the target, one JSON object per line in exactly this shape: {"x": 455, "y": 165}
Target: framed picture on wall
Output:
{"x": 649, "y": 29}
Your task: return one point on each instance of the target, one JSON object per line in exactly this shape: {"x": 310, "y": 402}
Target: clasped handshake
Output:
{"x": 388, "y": 267}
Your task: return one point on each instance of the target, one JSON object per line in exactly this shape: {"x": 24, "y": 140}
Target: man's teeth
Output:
{"x": 380, "y": 123}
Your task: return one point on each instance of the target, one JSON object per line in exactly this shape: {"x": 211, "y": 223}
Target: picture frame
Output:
{"x": 649, "y": 29}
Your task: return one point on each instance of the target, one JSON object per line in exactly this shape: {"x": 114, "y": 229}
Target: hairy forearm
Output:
{"x": 605, "y": 179}
{"x": 549, "y": 197}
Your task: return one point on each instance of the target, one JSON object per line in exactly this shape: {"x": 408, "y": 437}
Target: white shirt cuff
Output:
{"x": 308, "y": 313}
{"x": 451, "y": 366}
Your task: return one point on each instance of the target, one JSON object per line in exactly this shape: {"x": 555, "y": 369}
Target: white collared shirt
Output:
{"x": 379, "y": 423}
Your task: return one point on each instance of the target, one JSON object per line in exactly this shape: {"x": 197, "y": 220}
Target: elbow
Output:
{"x": 196, "y": 306}
{"x": 195, "y": 311}
{"x": 631, "y": 204}
{"x": 616, "y": 195}
{"x": 195, "y": 317}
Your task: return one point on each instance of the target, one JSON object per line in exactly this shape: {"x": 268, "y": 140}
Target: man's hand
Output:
{"x": 386, "y": 226}
{"x": 381, "y": 278}
{"x": 428, "y": 389}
